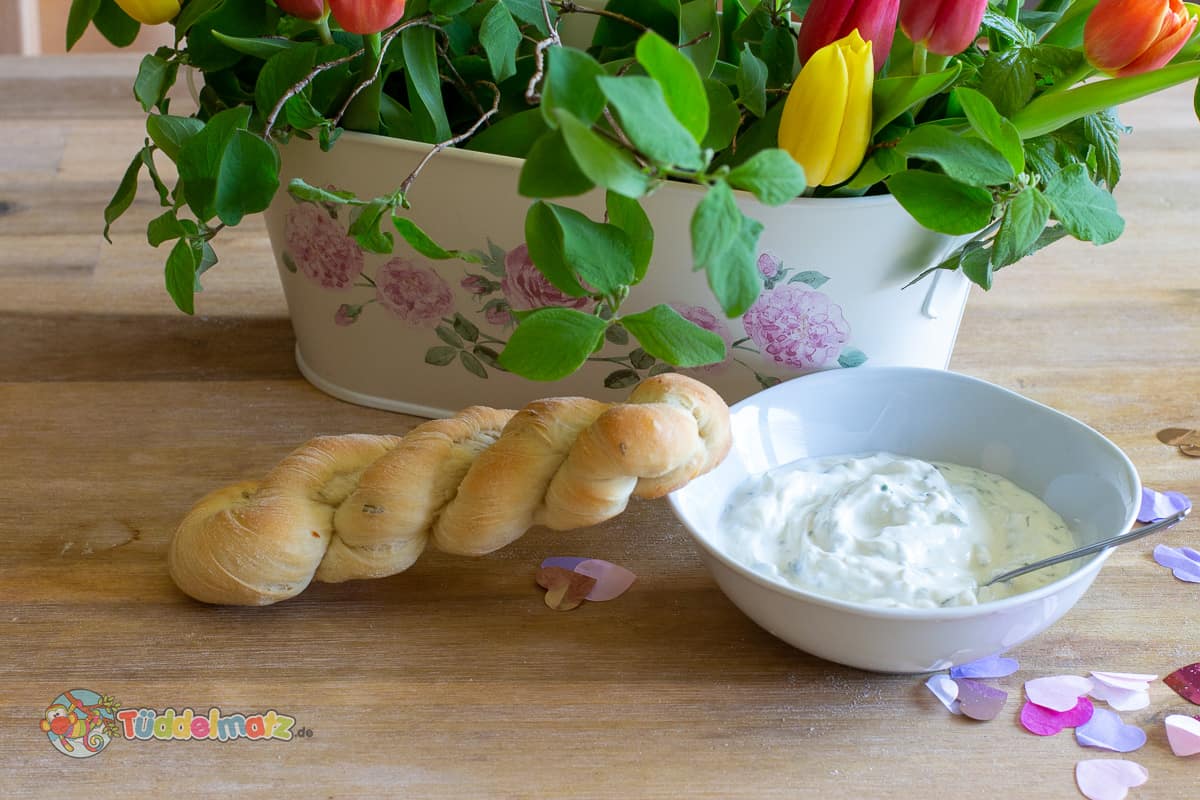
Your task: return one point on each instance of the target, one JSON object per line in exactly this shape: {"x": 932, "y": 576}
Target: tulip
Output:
{"x": 150, "y": 12}
{"x": 944, "y": 27}
{"x": 311, "y": 10}
{"x": 827, "y": 20}
{"x": 366, "y": 16}
{"x": 826, "y": 123}
{"x": 1129, "y": 37}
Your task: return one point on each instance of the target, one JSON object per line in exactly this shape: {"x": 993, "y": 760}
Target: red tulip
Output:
{"x": 304, "y": 9}
{"x": 827, "y": 21}
{"x": 1128, "y": 37}
{"x": 366, "y": 16}
{"x": 945, "y": 27}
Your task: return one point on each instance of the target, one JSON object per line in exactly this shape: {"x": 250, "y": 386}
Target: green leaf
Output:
{"x": 772, "y": 175}
{"x": 237, "y": 19}
{"x": 1007, "y": 79}
{"x": 733, "y": 276}
{"x": 425, "y": 82}
{"x": 450, "y": 8}
{"x": 600, "y": 254}
{"x": 571, "y": 85}
{"x": 649, "y": 123}
{"x": 810, "y": 277}
{"x": 991, "y": 127}
{"x": 123, "y": 197}
{"x": 531, "y": 13}
{"x": 263, "y": 47}
{"x": 550, "y": 170}
{"x": 181, "y": 275}
{"x": 976, "y": 264}
{"x": 364, "y": 226}
{"x": 280, "y": 73}
{"x": 723, "y": 116}
{"x": 716, "y": 225}
{"x": 852, "y": 357}
{"x": 660, "y": 16}
{"x": 420, "y": 241}
{"x": 778, "y": 52}
{"x": 471, "y": 364}
{"x": 695, "y": 21}
{"x": 164, "y": 228}
{"x": 664, "y": 334}
{"x": 682, "y": 84}
{"x": 894, "y": 96}
{"x": 551, "y": 343}
{"x": 1102, "y": 133}
{"x": 440, "y": 356}
{"x": 302, "y": 190}
{"x": 115, "y": 25}
{"x": 170, "y": 133}
{"x": 229, "y": 172}
{"x": 964, "y": 158}
{"x": 500, "y": 38}
{"x": 544, "y": 238}
{"x": 629, "y": 216}
{"x": 193, "y": 11}
{"x": 512, "y": 136}
{"x": 941, "y": 203}
{"x": 78, "y": 18}
{"x": 604, "y": 163}
{"x": 752, "y": 82}
{"x": 154, "y": 78}
{"x": 1006, "y": 27}
{"x": 1024, "y": 219}
{"x": 1087, "y": 211}
{"x": 1056, "y": 63}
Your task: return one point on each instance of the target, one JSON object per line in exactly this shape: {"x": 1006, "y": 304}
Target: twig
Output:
{"x": 695, "y": 40}
{"x": 384, "y": 42}
{"x": 571, "y": 7}
{"x": 462, "y": 137}
{"x": 532, "y": 96}
{"x": 300, "y": 86}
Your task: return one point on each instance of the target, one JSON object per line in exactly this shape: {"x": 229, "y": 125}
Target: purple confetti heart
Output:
{"x": 979, "y": 701}
{"x": 1160, "y": 505}
{"x": 1047, "y": 722}
{"x": 568, "y": 563}
{"x": 1106, "y": 730}
{"x": 1182, "y": 563}
{"x": 990, "y": 667}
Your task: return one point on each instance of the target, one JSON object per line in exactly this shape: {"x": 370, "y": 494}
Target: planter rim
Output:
{"x": 421, "y": 148}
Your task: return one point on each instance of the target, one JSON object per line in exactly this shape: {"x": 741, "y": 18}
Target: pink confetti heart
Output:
{"x": 1057, "y": 693}
{"x": 945, "y": 690}
{"x": 1109, "y": 778}
{"x": 1186, "y": 681}
{"x": 990, "y": 667}
{"x": 1183, "y": 733}
{"x": 1160, "y": 505}
{"x": 611, "y": 580}
{"x": 563, "y": 562}
{"x": 1184, "y": 563}
{"x": 979, "y": 701}
{"x": 1122, "y": 699}
{"x": 1047, "y": 722}
{"x": 1105, "y": 729}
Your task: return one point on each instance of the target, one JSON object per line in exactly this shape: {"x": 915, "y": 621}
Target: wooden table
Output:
{"x": 453, "y": 679}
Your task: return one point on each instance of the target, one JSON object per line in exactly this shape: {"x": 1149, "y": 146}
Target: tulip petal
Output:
{"x": 855, "y": 133}
{"x": 1160, "y": 52}
{"x": 1119, "y": 31}
{"x": 813, "y": 113}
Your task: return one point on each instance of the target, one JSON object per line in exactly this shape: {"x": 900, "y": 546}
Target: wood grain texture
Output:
{"x": 453, "y": 679}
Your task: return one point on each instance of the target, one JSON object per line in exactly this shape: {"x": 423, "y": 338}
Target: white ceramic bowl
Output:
{"x": 932, "y": 415}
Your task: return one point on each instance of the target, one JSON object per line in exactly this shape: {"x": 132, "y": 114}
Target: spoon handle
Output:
{"x": 1094, "y": 547}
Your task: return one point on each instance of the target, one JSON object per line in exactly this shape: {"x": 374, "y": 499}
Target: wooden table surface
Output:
{"x": 453, "y": 679}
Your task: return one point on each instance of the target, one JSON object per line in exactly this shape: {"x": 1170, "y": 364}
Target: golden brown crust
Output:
{"x": 360, "y": 506}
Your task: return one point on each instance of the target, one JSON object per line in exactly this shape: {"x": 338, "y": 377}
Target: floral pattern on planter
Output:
{"x": 792, "y": 324}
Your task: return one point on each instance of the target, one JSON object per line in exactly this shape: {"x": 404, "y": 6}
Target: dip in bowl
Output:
{"x": 935, "y": 416}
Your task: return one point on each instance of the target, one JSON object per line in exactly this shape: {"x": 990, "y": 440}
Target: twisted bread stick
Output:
{"x": 345, "y": 507}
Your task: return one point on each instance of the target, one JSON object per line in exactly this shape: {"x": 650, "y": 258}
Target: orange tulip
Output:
{"x": 1129, "y": 37}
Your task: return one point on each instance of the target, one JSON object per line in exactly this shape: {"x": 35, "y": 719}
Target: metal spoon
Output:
{"x": 1095, "y": 547}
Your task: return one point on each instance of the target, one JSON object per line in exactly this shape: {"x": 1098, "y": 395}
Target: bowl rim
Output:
{"x": 1086, "y": 571}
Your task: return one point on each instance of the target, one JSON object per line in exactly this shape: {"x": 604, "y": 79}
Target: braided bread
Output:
{"x": 359, "y": 506}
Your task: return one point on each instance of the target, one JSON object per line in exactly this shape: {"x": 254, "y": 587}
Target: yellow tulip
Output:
{"x": 150, "y": 12}
{"x": 826, "y": 124}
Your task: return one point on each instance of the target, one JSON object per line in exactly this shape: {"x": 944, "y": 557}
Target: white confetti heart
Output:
{"x": 1109, "y": 778}
{"x": 945, "y": 689}
{"x": 1120, "y": 698}
{"x": 1059, "y": 692}
{"x": 1125, "y": 680}
{"x": 1183, "y": 733}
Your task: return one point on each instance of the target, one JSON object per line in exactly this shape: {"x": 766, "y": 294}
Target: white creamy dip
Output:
{"x": 892, "y": 531}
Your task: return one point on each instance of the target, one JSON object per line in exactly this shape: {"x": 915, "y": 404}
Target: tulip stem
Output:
{"x": 920, "y": 58}
{"x": 362, "y": 111}
{"x": 322, "y": 26}
{"x": 1084, "y": 72}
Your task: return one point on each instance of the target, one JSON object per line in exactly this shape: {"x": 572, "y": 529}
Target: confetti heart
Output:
{"x": 1057, "y": 693}
{"x": 1186, "y": 681}
{"x": 1121, "y": 699}
{"x": 1160, "y": 505}
{"x": 1125, "y": 680}
{"x": 945, "y": 690}
{"x": 565, "y": 562}
{"x": 1047, "y": 722}
{"x": 1192, "y": 450}
{"x": 990, "y": 667}
{"x": 565, "y": 589}
{"x": 1179, "y": 437}
{"x": 1109, "y": 778}
{"x": 1184, "y": 563}
{"x": 1184, "y": 734}
{"x": 979, "y": 701}
{"x": 1105, "y": 729}
{"x": 611, "y": 580}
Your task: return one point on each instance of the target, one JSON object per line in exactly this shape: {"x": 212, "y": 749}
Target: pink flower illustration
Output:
{"x": 416, "y": 295}
{"x": 476, "y": 284}
{"x": 346, "y": 315}
{"x": 768, "y": 265}
{"x": 525, "y": 287}
{"x": 321, "y": 249}
{"x": 498, "y": 314}
{"x": 710, "y": 322}
{"x": 797, "y": 326}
